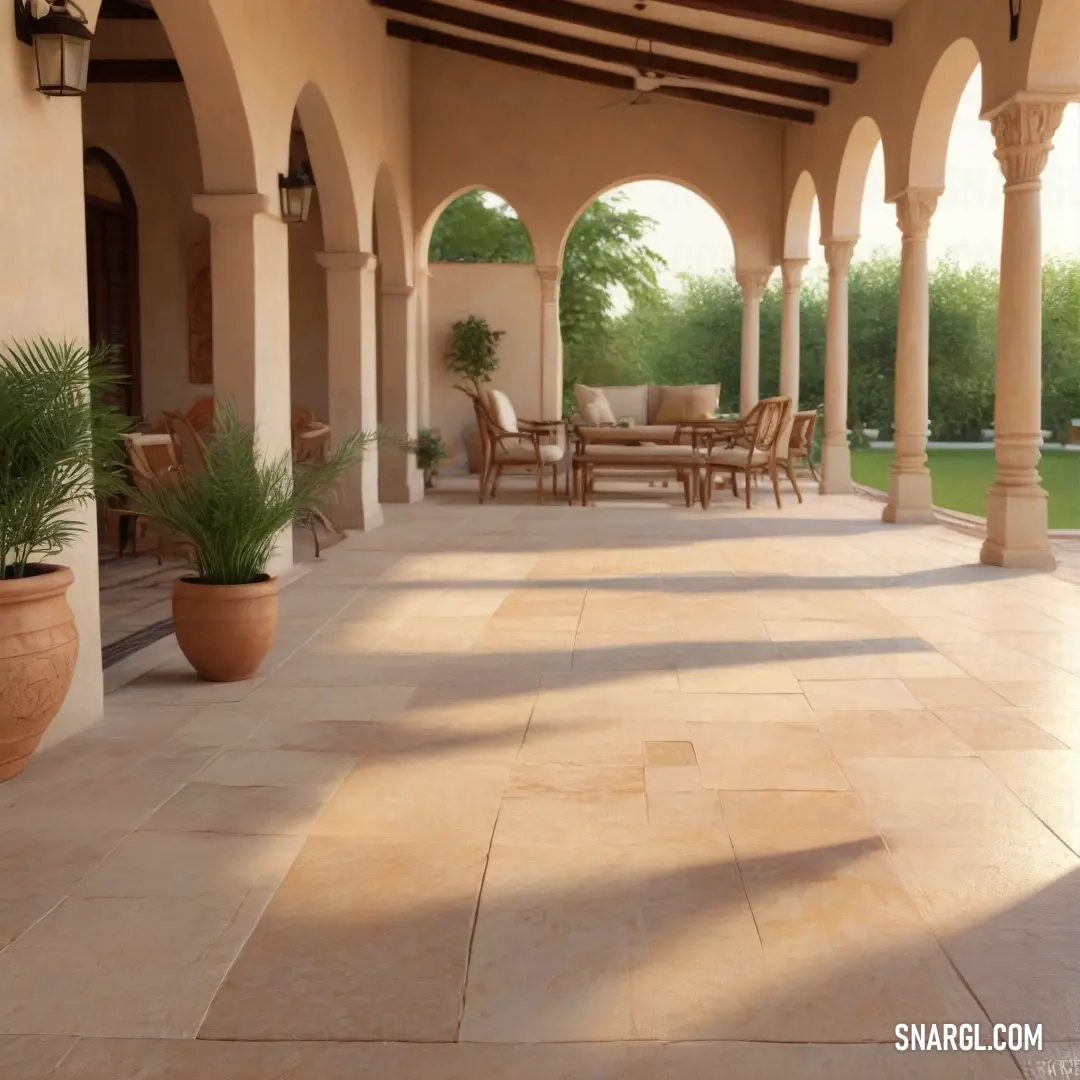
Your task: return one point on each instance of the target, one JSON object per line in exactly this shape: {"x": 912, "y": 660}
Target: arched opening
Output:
{"x": 112, "y": 267}
{"x": 799, "y": 239}
{"x": 648, "y": 297}
{"x": 479, "y": 257}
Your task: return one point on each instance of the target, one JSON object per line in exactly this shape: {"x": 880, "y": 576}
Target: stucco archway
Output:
{"x": 398, "y": 389}
{"x": 423, "y": 235}
{"x": 213, "y": 87}
{"x": 800, "y": 212}
{"x": 847, "y": 205}
{"x": 937, "y": 113}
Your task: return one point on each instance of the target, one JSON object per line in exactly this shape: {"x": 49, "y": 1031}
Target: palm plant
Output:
{"x": 232, "y": 512}
{"x": 60, "y": 445}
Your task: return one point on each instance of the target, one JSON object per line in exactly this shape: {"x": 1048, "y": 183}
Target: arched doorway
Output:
{"x": 112, "y": 267}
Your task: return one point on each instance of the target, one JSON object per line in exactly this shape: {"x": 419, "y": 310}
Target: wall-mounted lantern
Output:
{"x": 295, "y": 190}
{"x": 1014, "y": 19}
{"x": 61, "y": 38}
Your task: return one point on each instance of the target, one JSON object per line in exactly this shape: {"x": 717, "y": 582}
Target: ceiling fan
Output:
{"x": 647, "y": 80}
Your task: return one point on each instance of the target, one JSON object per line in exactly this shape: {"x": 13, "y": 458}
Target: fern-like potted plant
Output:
{"x": 60, "y": 448}
{"x": 473, "y": 356}
{"x": 231, "y": 514}
{"x": 430, "y": 450}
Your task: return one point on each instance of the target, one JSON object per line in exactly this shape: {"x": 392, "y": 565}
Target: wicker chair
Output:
{"x": 153, "y": 459}
{"x": 188, "y": 438}
{"x": 751, "y": 449}
{"x": 510, "y": 442}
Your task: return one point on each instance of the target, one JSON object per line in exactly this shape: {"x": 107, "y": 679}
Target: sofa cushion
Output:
{"x": 502, "y": 410}
{"x": 676, "y": 403}
{"x": 593, "y": 404}
{"x": 652, "y": 433}
{"x": 636, "y": 453}
{"x": 631, "y": 401}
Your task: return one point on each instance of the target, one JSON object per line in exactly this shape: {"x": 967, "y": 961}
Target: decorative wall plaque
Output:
{"x": 200, "y": 315}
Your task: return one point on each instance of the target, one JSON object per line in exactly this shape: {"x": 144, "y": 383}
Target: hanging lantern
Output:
{"x": 295, "y": 190}
{"x": 1014, "y": 19}
{"x": 61, "y": 39}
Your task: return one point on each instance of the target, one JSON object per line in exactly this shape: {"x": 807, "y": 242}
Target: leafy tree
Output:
{"x": 472, "y": 230}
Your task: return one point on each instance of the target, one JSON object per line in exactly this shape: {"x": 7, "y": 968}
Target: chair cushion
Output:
{"x": 510, "y": 451}
{"x": 685, "y": 403}
{"x": 502, "y": 410}
{"x": 661, "y": 433}
{"x": 594, "y": 405}
{"x": 738, "y": 457}
{"x": 783, "y": 440}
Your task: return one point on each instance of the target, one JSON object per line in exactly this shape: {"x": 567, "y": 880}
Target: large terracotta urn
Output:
{"x": 225, "y": 631}
{"x": 38, "y": 648}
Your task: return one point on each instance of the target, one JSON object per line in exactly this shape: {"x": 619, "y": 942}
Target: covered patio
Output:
{"x": 536, "y": 791}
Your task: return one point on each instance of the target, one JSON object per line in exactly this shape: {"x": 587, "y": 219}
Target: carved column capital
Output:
{"x": 838, "y": 254}
{"x": 753, "y": 283}
{"x": 1024, "y": 132}
{"x": 549, "y": 283}
{"x": 914, "y": 210}
{"x": 792, "y": 272}
{"x": 363, "y": 261}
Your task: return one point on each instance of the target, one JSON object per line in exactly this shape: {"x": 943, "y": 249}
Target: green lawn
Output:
{"x": 961, "y": 478}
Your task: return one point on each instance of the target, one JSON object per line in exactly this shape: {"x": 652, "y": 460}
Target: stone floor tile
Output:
{"x": 362, "y": 941}
{"x": 283, "y": 768}
{"x": 227, "y": 808}
{"x": 551, "y": 820}
{"x": 890, "y": 734}
{"x": 1047, "y": 782}
{"x": 669, "y": 753}
{"x": 31, "y": 1057}
{"x": 740, "y": 708}
{"x": 859, "y": 695}
{"x": 385, "y": 802}
{"x": 559, "y": 940}
{"x": 750, "y": 678}
{"x": 954, "y": 693}
{"x": 998, "y": 729}
{"x": 758, "y": 1061}
{"x": 916, "y": 664}
{"x": 219, "y": 726}
{"x": 340, "y": 704}
{"x": 853, "y": 666}
{"x": 582, "y": 782}
{"x": 765, "y": 756}
{"x": 1053, "y": 1060}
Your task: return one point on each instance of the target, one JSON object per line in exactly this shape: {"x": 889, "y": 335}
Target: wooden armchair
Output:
{"x": 510, "y": 442}
{"x": 751, "y": 449}
{"x": 152, "y": 459}
{"x": 801, "y": 448}
{"x": 189, "y": 441}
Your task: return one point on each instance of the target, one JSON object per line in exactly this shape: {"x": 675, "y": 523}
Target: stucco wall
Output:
{"x": 508, "y": 296}
{"x": 307, "y": 316}
{"x": 549, "y": 147}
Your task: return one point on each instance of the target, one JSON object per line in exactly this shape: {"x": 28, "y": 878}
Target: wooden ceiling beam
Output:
{"x": 686, "y": 37}
{"x": 446, "y": 15}
{"x": 134, "y": 71}
{"x": 422, "y": 35}
{"x": 797, "y": 16}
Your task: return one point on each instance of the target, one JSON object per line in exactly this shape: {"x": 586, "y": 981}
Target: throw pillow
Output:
{"x": 680, "y": 403}
{"x": 593, "y": 405}
{"x": 503, "y": 411}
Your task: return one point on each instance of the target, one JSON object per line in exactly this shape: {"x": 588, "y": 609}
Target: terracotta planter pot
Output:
{"x": 225, "y": 631}
{"x": 38, "y": 648}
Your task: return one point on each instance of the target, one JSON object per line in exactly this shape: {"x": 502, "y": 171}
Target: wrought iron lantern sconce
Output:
{"x": 296, "y": 190}
{"x": 61, "y": 39}
{"x": 1014, "y": 19}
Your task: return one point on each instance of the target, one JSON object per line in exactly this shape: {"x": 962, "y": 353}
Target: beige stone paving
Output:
{"x": 541, "y": 792}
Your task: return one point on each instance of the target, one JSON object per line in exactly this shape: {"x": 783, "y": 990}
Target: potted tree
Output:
{"x": 472, "y": 355}
{"x": 231, "y": 514}
{"x": 429, "y": 449}
{"x": 60, "y": 448}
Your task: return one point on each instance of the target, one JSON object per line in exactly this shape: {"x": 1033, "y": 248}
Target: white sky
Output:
{"x": 967, "y": 225}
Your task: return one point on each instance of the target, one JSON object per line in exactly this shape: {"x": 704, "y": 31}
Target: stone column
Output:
{"x": 792, "y": 270}
{"x": 423, "y": 347}
{"x": 1016, "y": 513}
{"x": 551, "y": 373}
{"x": 353, "y": 376}
{"x": 910, "y": 497}
{"x": 835, "y": 451}
{"x": 752, "y": 283}
{"x": 401, "y": 481}
{"x": 249, "y": 273}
